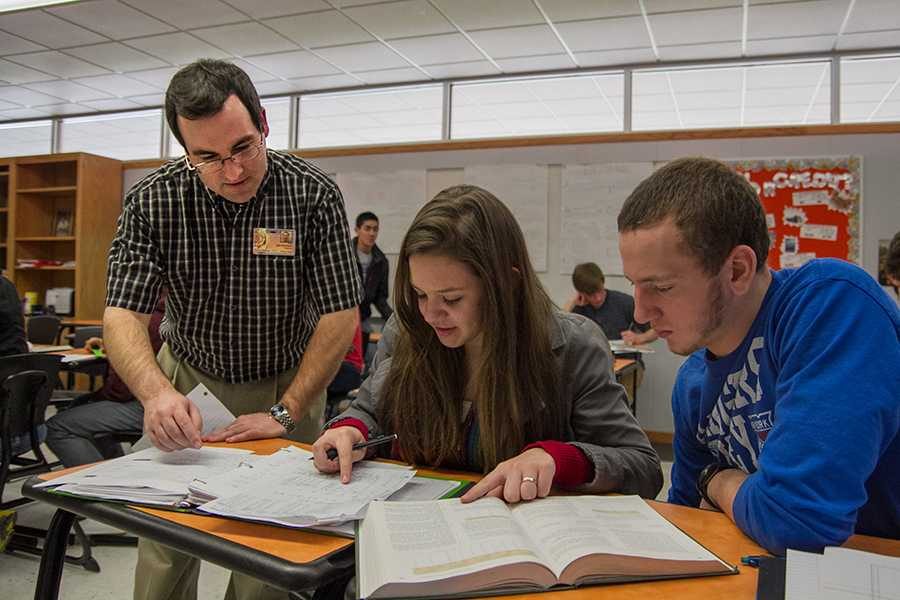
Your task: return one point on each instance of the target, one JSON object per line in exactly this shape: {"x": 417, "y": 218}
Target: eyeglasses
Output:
{"x": 215, "y": 165}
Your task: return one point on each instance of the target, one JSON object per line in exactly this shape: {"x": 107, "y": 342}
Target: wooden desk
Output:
{"x": 294, "y": 559}
{"x": 626, "y": 370}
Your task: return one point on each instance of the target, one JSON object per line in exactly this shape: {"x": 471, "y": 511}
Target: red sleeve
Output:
{"x": 351, "y": 422}
{"x": 355, "y": 355}
{"x": 572, "y": 466}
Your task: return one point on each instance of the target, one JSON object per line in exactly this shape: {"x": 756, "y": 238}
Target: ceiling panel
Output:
{"x": 149, "y": 100}
{"x": 116, "y": 57}
{"x": 517, "y": 41}
{"x": 46, "y": 29}
{"x": 196, "y": 13}
{"x": 325, "y": 82}
{"x": 293, "y": 64}
{"x": 699, "y": 51}
{"x": 795, "y": 45}
{"x": 275, "y": 88}
{"x": 255, "y": 74}
{"x": 329, "y": 28}
{"x": 68, "y": 108}
{"x": 605, "y": 34}
{"x": 774, "y": 76}
{"x": 58, "y": 64}
{"x": 581, "y": 10}
{"x": 390, "y": 75}
{"x": 111, "y": 104}
{"x": 548, "y": 62}
{"x": 615, "y": 57}
{"x": 409, "y": 18}
{"x": 695, "y": 27}
{"x": 177, "y": 48}
{"x": 111, "y": 18}
{"x": 462, "y": 69}
{"x": 478, "y": 14}
{"x": 118, "y": 85}
{"x": 363, "y": 57}
{"x": 68, "y": 90}
{"x": 657, "y": 6}
{"x": 158, "y": 78}
{"x": 25, "y": 113}
{"x": 14, "y": 73}
{"x": 880, "y": 39}
{"x": 874, "y": 15}
{"x": 245, "y": 39}
{"x": 13, "y": 44}
{"x": 814, "y": 17}
{"x": 438, "y": 49}
{"x": 26, "y": 97}
{"x": 277, "y": 8}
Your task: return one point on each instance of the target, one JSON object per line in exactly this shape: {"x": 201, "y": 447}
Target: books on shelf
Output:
{"x": 445, "y": 548}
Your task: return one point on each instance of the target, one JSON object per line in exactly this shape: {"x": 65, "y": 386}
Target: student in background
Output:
{"x": 530, "y": 400}
{"x": 75, "y": 435}
{"x": 254, "y": 249}
{"x": 787, "y": 412}
{"x": 13, "y": 339}
{"x": 892, "y": 264}
{"x": 613, "y": 311}
{"x": 373, "y": 272}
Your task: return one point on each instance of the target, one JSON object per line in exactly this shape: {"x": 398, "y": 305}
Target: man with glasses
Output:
{"x": 254, "y": 248}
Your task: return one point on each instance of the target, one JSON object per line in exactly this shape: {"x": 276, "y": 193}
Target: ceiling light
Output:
{"x": 10, "y": 5}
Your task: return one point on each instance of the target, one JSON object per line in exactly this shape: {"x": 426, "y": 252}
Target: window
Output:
{"x": 535, "y": 106}
{"x": 870, "y": 89}
{"x": 124, "y": 136}
{"x": 22, "y": 139}
{"x": 732, "y": 96}
{"x": 382, "y": 116}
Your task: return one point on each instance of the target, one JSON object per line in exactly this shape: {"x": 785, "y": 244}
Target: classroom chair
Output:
{"x": 43, "y": 329}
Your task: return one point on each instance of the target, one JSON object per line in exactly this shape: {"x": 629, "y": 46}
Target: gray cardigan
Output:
{"x": 597, "y": 418}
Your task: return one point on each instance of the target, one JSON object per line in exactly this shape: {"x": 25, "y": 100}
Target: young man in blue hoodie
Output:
{"x": 787, "y": 410}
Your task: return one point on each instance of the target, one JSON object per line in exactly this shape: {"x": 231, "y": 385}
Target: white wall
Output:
{"x": 881, "y": 205}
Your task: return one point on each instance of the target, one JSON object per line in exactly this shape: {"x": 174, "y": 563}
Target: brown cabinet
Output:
{"x": 60, "y": 218}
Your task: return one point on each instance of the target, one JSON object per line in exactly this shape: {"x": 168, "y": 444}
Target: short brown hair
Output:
{"x": 713, "y": 206}
{"x": 892, "y": 262}
{"x": 588, "y": 278}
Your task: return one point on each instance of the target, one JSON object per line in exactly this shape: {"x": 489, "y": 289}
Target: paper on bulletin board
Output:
{"x": 592, "y": 196}
{"x": 523, "y": 188}
{"x": 394, "y": 196}
{"x": 815, "y": 206}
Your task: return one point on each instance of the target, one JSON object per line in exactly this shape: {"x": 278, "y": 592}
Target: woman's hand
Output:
{"x": 341, "y": 439}
{"x": 524, "y": 477}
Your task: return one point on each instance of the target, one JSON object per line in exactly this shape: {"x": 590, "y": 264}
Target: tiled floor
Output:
{"x": 18, "y": 572}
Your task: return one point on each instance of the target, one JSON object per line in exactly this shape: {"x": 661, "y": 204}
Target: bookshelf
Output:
{"x": 60, "y": 220}
{"x": 4, "y": 214}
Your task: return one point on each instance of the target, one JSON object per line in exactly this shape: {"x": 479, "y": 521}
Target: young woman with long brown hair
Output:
{"x": 477, "y": 369}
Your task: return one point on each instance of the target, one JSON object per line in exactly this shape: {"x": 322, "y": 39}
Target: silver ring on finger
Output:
{"x": 529, "y": 479}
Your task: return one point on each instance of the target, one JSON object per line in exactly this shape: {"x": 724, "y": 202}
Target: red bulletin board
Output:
{"x": 812, "y": 206}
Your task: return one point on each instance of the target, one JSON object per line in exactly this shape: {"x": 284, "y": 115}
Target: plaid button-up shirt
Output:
{"x": 236, "y": 315}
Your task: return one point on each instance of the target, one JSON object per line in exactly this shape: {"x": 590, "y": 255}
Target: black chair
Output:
{"x": 82, "y": 335}
{"x": 24, "y": 396}
{"x": 43, "y": 329}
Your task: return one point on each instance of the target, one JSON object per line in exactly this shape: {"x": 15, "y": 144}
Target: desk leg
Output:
{"x": 54, "y": 557}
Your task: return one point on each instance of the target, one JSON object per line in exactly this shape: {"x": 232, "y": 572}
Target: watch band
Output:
{"x": 706, "y": 475}
{"x": 282, "y": 416}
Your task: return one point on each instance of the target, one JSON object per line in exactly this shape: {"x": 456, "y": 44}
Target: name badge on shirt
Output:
{"x": 273, "y": 242}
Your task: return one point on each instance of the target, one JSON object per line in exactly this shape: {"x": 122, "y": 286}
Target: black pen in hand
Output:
{"x": 332, "y": 453}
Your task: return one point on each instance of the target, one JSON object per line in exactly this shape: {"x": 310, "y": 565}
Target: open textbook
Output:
{"x": 446, "y": 548}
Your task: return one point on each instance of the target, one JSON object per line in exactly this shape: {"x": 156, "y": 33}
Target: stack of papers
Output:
{"x": 841, "y": 573}
{"x": 150, "y": 476}
{"x": 620, "y": 347}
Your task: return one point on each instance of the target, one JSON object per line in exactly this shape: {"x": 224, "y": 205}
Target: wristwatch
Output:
{"x": 706, "y": 475}
{"x": 282, "y": 416}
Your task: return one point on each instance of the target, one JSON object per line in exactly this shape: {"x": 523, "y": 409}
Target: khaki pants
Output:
{"x": 163, "y": 573}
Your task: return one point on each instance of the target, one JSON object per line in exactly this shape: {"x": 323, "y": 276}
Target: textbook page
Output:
{"x": 841, "y": 573}
{"x": 568, "y": 527}
{"x": 301, "y": 496}
{"x": 417, "y": 542}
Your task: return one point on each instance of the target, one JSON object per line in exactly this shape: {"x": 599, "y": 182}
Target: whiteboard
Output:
{"x": 592, "y": 196}
{"x": 394, "y": 196}
{"x": 523, "y": 189}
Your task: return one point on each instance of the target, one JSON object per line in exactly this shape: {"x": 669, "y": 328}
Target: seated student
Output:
{"x": 613, "y": 311}
{"x": 70, "y": 433}
{"x": 892, "y": 265}
{"x": 349, "y": 375}
{"x": 13, "y": 339}
{"x": 786, "y": 412}
{"x": 529, "y": 399}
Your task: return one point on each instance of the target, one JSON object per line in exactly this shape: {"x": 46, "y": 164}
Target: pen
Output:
{"x": 331, "y": 453}
{"x": 752, "y": 561}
